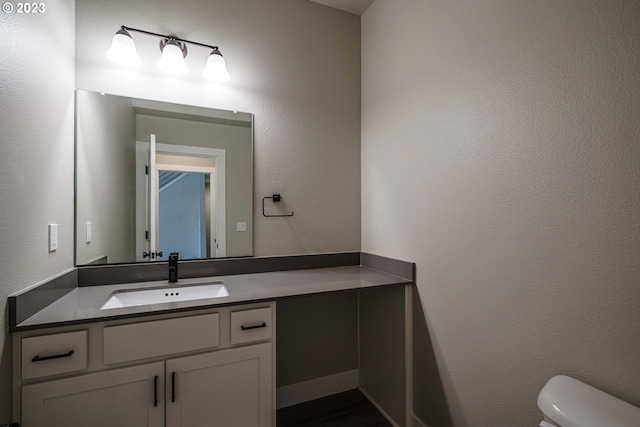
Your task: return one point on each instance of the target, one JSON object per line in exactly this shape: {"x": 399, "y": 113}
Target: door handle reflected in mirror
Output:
{"x": 152, "y": 255}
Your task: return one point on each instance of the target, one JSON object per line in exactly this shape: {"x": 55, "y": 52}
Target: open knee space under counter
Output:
{"x": 183, "y": 364}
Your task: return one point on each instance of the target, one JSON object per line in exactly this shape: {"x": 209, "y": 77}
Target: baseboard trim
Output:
{"x": 416, "y": 422}
{"x": 379, "y": 408}
{"x": 316, "y": 388}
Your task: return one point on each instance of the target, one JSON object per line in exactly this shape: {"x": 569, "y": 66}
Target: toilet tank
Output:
{"x": 572, "y": 403}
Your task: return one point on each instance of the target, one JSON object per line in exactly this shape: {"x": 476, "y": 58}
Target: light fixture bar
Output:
{"x": 174, "y": 50}
{"x": 124, "y": 27}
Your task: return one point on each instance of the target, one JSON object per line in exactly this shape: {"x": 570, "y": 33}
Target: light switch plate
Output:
{"x": 53, "y": 237}
{"x": 241, "y": 226}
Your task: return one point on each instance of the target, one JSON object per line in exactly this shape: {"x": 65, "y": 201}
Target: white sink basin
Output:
{"x": 164, "y": 294}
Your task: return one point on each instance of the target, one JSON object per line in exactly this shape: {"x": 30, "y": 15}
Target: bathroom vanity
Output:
{"x": 193, "y": 367}
{"x": 187, "y": 363}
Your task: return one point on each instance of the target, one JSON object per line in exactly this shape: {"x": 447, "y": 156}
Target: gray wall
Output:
{"x": 36, "y": 156}
{"x": 382, "y": 343}
{"x": 500, "y": 153}
{"x": 317, "y": 336}
{"x": 105, "y": 178}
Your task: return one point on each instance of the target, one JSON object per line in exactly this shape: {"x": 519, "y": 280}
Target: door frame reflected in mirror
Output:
{"x": 148, "y": 195}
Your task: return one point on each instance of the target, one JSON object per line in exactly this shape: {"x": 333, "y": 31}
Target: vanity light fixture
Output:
{"x": 172, "y": 59}
{"x": 174, "y": 50}
{"x": 123, "y": 50}
{"x": 216, "y": 70}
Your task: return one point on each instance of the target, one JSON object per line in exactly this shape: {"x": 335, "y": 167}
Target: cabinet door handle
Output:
{"x": 246, "y": 328}
{"x": 173, "y": 387}
{"x": 155, "y": 391}
{"x": 55, "y": 356}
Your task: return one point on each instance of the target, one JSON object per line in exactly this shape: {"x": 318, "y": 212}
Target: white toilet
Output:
{"x": 567, "y": 402}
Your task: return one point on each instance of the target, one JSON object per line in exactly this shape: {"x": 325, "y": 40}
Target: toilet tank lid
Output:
{"x": 572, "y": 403}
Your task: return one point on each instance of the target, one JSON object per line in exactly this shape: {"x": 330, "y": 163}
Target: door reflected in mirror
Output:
{"x": 182, "y": 215}
{"x": 154, "y": 178}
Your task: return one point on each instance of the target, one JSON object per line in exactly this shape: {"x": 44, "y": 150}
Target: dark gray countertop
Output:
{"x": 82, "y": 305}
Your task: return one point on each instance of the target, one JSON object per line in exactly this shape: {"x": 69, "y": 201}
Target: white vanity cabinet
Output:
{"x": 215, "y": 368}
{"x": 120, "y": 397}
{"x": 224, "y": 388}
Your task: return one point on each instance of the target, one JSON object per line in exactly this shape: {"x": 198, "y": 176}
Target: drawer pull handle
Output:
{"x": 246, "y": 328}
{"x": 173, "y": 387}
{"x": 155, "y": 391}
{"x": 55, "y": 356}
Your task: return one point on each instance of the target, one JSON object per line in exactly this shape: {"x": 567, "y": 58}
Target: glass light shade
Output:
{"x": 123, "y": 50}
{"x": 172, "y": 59}
{"x": 216, "y": 69}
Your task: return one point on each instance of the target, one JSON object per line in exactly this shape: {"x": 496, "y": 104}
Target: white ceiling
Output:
{"x": 357, "y": 7}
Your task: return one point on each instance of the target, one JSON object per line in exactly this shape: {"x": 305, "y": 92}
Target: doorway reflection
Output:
{"x": 184, "y": 215}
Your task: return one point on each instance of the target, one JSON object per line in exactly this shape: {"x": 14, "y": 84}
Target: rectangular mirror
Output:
{"x": 154, "y": 178}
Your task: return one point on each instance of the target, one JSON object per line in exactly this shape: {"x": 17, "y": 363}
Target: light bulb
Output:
{"x": 123, "y": 50}
{"x": 172, "y": 59}
{"x": 216, "y": 69}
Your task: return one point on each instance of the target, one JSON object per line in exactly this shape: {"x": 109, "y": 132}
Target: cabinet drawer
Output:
{"x": 54, "y": 354}
{"x": 251, "y": 325}
{"x": 124, "y": 343}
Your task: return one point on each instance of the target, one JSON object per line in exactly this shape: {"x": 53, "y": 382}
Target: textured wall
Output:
{"x": 500, "y": 153}
{"x": 36, "y": 156}
{"x": 294, "y": 64}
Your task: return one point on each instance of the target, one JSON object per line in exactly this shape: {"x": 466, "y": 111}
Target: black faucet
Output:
{"x": 173, "y": 267}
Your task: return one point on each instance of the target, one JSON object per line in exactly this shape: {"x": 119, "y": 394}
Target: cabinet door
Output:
{"x": 225, "y": 388}
{"x": 121, "y": 397}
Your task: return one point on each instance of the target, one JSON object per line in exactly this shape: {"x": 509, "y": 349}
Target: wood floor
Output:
{"x": 348, "y": 409}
